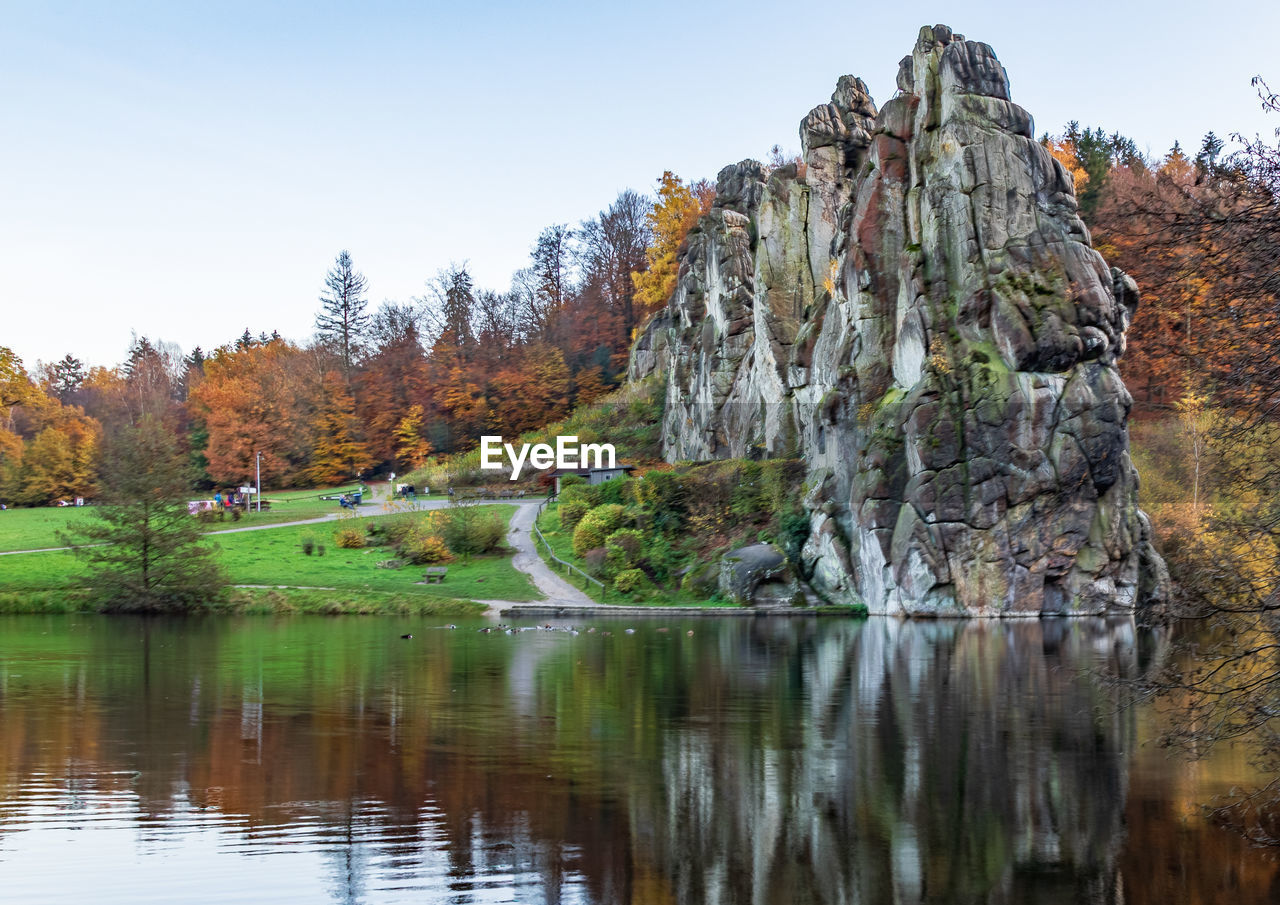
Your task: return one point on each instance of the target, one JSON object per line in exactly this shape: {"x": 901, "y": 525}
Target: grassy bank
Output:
{"x": 276, "y": 557}
{"x": 266, "y": 601}
{"x": 341, "y": 580}
{"x": 38, "y": 529}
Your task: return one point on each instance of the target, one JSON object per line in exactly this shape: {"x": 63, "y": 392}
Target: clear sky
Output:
{"x": 188, "y": 170}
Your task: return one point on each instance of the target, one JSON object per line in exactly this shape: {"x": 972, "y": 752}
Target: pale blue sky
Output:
{"x": 189, "y": 170}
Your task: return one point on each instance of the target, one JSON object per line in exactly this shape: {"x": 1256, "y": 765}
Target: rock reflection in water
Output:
{"x": 758, "y": 761}
{"x": 957, "y": 761}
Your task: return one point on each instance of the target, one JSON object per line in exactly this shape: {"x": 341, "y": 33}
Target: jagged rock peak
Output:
{"x": 918, "y": 314}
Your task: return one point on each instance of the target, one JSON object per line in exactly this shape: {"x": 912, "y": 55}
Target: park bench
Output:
{"x": 435, "y": 574}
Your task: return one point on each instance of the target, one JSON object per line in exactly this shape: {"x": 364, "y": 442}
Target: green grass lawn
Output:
{"x": 37, "y": 529}
{"x": 274, "y": 557}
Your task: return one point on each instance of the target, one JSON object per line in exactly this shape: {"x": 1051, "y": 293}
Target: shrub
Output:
{"x": 660, "y": 557}
{"x": 468, "y": 529}
{"x": 628, "y": 580}
{"x": 398, "y": 527}
{"x": 595, "y": 561}
{"x": 308, "y": 545}
{"x": 571, "y": 480}
{"x": 611, "y": 491}
{"x": 793, "y": 531}
{"x": 624, "y": 548}
{"x": 422, "y": 548}
{"x": 350, "y": 537}
{"x": 572, "y": 511}
{"x": 595, "y": 526}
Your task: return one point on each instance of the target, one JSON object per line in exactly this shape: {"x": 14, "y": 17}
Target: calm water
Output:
{"x": 761, "y": 761}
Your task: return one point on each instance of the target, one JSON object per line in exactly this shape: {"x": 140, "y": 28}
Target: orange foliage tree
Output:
{"x": 254, "y": 400}
{"x": 676, "y": 209}
{"x": 337, "y": 454}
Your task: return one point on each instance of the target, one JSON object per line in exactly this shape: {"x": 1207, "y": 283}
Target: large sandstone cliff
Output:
{"x": 916, "y": 311}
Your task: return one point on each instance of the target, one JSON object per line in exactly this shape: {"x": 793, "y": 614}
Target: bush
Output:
{"x": 660, "y": 557}
{"x": 595, "y": 526}
{"x": 349, "y": 538}
{"x": 468, "y": 529}
{"x": 793, "y": 532}
{"x": 572, "y": 511}
{"x": 624, "y": 548}
{"x": 571, "y": 480}
{"x": 308, "y": 545}
{"x": 398, "y": 527}
{"x": 422, "y": 548}
{"x": 628, "y": 580}
{"x": 595, "y": 561}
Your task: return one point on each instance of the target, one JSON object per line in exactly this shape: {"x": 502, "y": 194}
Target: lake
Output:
{"x": 752, "y": 761}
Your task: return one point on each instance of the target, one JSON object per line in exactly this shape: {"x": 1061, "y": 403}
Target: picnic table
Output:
{"x": 435, "y": 574}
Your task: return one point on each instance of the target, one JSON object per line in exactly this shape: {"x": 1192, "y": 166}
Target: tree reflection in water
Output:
{"x": 758, "y": 761}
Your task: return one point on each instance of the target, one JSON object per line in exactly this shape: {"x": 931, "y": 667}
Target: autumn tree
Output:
{"x": 531, "y": 392}
{"x": 612, "y": 247}
{"x": 61, "y": 461}
{"x": 252, "y": 401}
{"x": 551, "y": 261}
{"x": 143, "y": 549}
{"x": 1218, "y": 223}
{"x": 48, "y": 451}
{"x": 15, "y": 385}
{"x": 342, "y": 321}
{"x": 412, "y": 446}
{"x": 673, "y": 214}
{"x": 391, "y": 380}
{"x": 337, "y": 454}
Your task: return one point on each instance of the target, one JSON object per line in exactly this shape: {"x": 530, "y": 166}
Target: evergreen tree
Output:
{"x": 342, "y": 321}
{"x": 65, "y": 377}
{"x": 143, "y": 548}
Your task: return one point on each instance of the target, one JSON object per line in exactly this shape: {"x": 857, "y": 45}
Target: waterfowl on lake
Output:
{"x": 410, "y": 635}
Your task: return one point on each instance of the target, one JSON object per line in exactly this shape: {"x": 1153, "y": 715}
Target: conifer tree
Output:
{"x": 143, "y": 548}
{"x": 342, "y": 321}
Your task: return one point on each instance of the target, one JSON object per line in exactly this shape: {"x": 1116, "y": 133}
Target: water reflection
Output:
{"x": 757, "y": 761}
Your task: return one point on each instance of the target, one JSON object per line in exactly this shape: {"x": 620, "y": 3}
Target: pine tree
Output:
{"x": 143, "y": 548}
{"x": 342, "y": 321}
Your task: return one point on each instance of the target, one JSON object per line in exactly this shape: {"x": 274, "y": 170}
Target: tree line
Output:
{"x": 373, "y": 388}
{"x": 1200, "y": 232}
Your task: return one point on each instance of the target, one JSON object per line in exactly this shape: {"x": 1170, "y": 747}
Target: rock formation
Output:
{"x": 916, "y": 312}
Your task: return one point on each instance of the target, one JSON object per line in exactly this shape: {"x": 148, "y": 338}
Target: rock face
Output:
{"x": 916, "y": 311}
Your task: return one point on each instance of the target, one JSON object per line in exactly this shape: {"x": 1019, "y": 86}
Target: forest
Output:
{"x": 391, "y": 389}
{"x": 373, "y": 390}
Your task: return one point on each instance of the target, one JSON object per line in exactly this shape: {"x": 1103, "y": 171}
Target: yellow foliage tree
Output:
{"x": 411, "y": 447}
{"x": 1065, "y": 152}
{"x": 676, "y": 209}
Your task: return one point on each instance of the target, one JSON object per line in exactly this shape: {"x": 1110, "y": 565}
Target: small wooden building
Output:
{"x": 593, "y": 475}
